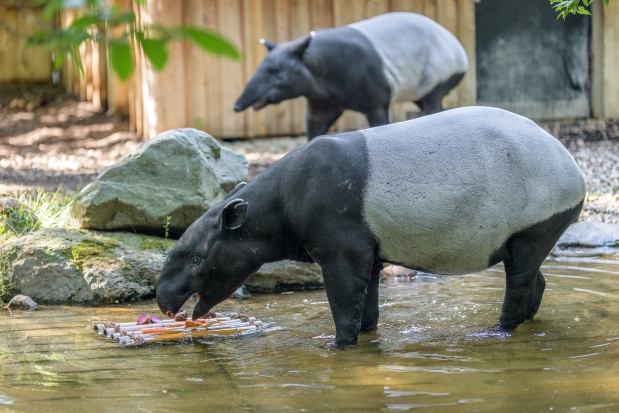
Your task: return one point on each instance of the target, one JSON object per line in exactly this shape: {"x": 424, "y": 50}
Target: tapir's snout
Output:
{"x": 239, "y": 108}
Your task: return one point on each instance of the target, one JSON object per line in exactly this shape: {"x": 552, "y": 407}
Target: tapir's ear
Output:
{"x": 302, "y": 47}
{"x": 269, "y": 45}
{"x": 233, "y": 215}
{"x": 236, "y": 188}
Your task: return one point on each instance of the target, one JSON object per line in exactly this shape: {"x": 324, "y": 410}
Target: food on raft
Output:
{"x": 150, "y": 329}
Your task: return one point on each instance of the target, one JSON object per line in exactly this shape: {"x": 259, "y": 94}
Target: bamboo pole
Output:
{"x": 131, "y": 334}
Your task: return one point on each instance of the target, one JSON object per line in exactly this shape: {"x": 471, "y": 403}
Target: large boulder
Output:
{"x": 285, "y": 276}
{"x": 56, "y": 265}
{"x": 590, "y": 235}
{"x": 179, "y": 174}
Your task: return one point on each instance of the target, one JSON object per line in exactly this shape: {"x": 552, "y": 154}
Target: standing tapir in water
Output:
{"x": 451, "y": 193}
{"x": 364, "y": 66}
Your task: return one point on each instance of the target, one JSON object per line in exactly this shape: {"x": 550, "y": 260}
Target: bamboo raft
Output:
{"x": 149, "y": 330}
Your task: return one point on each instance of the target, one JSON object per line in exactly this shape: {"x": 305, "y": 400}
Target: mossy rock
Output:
{"x": 58, "y": 265}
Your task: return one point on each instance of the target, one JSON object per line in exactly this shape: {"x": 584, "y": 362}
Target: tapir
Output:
{"x": 364, "y": 66}
{"x": 450, "y": 193}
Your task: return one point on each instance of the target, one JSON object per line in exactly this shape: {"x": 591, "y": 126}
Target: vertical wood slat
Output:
{"x": 299, "y": 18}
{"x": 18, "y": 62}
{"x": 194, "y": 14}
{"x": 231, "y": 72}
{"x": 447, "y": 11}
{"x": 211, "y": 85}
{"x": 611, "y": 60}
{"x": 253, "y": 53}
{"x": 346, "y": 12}
{"x": 282, "y": 22}
{"x": 467, "y": 89}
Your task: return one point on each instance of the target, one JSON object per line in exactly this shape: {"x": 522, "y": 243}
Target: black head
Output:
{"x": 282, "y": 75}
{"x": 213, "y": 258}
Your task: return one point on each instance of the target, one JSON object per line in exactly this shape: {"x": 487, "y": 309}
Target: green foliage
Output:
{"x": 565, "y": 7}
{"x": 97, "y": 24}
{"x": 42, "y": 209}
{"x": 88, "y": 250}
{"x": 166, "y": 226}
{"x": 6, "y": 288}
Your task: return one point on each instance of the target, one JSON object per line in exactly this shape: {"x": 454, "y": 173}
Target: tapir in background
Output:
{"x": 450, "y": 193}
{"x": 364, "y": 66}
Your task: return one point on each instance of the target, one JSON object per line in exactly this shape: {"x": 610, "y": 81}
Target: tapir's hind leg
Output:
{"x": 369, "y": 318}
{"x": 524, "y": 253}
{"x": 433, "y": 101}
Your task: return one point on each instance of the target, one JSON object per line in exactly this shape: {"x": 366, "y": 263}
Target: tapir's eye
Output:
{"x": 195, "y": 261}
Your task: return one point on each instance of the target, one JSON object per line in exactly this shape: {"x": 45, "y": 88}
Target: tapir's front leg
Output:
{"x": 346, "y": 277}
{"x": 319, "y": 120}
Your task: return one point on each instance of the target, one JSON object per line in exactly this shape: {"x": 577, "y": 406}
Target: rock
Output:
{"x": 22, "y": 301}
{"x": 180, "y": 173}
{"x": 56, "y": 265}
{"x": 590, "y": 234}
{"x": 397, "y": 271}
{"x": 285, "y": 276}
{"x": 16, "y": 217}
{"x": 242, "y": 293}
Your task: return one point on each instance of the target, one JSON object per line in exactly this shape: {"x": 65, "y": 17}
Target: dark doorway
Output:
{"x": 530, "y": 62}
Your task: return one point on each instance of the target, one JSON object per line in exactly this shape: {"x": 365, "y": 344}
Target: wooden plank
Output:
{"x": 467, "y": 90}
{"x": 611, "y": 60}
{"x": 212, "y": 86}
{"x": 118, "y": 90}
{"x": 429, "y": 9}
{"x": 345, "y": 12}
{"x": 282, "y": 34}
{"x": 299, "y": 26}
{"x": 375, "y": 7}
{"x": 269, "y": 22}
{"x": 172, "y": 79}
{"x": 194, "y": 15}
{"x": 413, "y": 6}
{"x": 253, "y": 53}
{"x": 150, "y": 87}
{"x": 231, "y": 75}
{"x": 447, "y": 13}
{"x": 321, "y": 14}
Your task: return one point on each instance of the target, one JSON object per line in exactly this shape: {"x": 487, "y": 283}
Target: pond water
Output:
{"x": 430, "y": 353}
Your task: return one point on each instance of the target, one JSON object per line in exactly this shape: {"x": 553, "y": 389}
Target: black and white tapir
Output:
{"x": 364, "y": 66}
{"x": 451, "y": 193}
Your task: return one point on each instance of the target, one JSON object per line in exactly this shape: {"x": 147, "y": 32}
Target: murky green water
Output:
{"x": 429, "y": 353}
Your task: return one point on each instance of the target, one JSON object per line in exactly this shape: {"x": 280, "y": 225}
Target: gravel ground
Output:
{"x": 53, "y": 140}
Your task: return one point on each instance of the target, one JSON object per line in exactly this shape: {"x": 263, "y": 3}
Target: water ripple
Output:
{"x": 440, "y": 369}
{"x": 4, "y": 399}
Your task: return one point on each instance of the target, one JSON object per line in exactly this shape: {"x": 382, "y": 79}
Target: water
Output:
{"x": 430, "y": 353}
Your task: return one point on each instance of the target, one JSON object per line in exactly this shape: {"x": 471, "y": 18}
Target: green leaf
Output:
{"x": 582, "y": 10}
{"x": 76, "y": 59}
{"x": 155, "y": 51}
{"x": 59, "y": 60}
{"x": 85, "y": 21}
{"x": 52, "y": 7}
{"x": 121, "y": 59}
{"x": 38, "y": 38}
{"x": 210, "y": 41}
{"x": 606, "y": 2}
{"x": 123, "y": 18}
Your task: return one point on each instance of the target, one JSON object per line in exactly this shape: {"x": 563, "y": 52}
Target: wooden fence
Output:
{"x": 18, "y": 63}
{"x": 198, "y": 90}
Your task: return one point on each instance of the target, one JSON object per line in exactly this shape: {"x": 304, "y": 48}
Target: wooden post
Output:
{"x": 467, "y": 93}
{"x": 253, "y": 53}
{"x": 605, "y": 42}
{"x": 299, "y": 26}
{"x": 231, "y": 72}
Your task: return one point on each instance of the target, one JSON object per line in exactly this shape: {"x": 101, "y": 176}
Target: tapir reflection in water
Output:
{"x": 451, "y": 193}
{"x": 364, "y": 66}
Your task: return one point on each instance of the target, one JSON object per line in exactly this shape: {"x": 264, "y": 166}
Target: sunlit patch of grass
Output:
{"x": 41, "y": 209}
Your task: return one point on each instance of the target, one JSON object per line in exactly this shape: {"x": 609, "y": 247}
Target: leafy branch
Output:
{"x": 565, "y": 7}
{"x": 120, "y": 31}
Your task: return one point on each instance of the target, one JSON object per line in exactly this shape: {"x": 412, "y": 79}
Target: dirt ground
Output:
{"x": 50, "y": 139}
